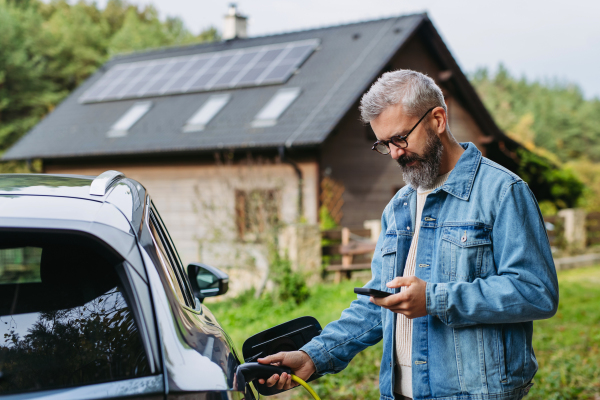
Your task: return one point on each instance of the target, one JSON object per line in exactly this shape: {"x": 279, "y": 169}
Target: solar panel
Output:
{"x": 252, "y": 66}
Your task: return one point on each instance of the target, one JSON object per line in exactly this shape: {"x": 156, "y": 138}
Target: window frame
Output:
{"x": 173, "y": 261}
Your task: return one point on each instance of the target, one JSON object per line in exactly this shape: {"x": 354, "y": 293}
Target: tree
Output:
{"x": 48, "y": 49}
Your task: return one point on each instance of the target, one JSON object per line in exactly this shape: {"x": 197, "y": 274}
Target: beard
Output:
{"x": 424, "y": 173}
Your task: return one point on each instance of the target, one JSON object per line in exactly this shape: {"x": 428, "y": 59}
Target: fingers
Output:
{"x": 282, "y": 382}
{"x": 390, "y": 301}
{"x": 274, "y": 359}
{"x": 400, "y": 281}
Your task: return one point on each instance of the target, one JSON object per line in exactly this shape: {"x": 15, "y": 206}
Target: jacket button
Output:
{"x": 408, "y": 228}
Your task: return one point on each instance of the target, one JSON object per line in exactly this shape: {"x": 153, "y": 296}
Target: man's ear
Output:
{"x": 441, "y": 119}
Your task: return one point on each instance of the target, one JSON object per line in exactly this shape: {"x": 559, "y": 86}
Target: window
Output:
{"x": 65, "y": 316}
{"x": 133, "y": 115}
{"x": 271, "y": 112}
{"x": 257, "y": 213}
{"x": 170, "y": 260}
{"x": 206, "y": 113}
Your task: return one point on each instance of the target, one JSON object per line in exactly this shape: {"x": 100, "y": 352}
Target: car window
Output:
{"x": 65, "y": 319}
{"x": 174, "y": 272}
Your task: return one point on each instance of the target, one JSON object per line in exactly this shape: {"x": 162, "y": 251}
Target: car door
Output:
{"x": 196, "y": 326}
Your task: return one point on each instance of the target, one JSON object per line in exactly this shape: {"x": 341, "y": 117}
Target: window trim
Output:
{"x": 172, "y": 256}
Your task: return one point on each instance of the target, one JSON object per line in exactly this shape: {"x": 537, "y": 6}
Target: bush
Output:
{"x": 291, "y": 285}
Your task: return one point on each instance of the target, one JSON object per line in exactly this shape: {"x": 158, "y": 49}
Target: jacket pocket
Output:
{"x": 388, "y": 265}
{"x": 502, "y": 355}
{"x": 466, "y": 251}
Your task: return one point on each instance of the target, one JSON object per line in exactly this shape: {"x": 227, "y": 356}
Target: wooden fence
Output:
{"x": 347, "y": 250}
{"x": 592, "y": 226}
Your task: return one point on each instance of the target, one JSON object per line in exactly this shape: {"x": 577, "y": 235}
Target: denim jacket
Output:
{"x": 484, "y": 253}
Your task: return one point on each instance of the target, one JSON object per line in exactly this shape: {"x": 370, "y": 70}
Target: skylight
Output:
{"x": 133, "y": 115}
{"x": 206, "y": 113}
{"x": 271, "y": 112}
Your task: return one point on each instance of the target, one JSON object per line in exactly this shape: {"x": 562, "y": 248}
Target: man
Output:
{"x": 464, "y": 250}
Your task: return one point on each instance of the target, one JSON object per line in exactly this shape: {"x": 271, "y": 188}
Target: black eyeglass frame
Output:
{"x": 398, "y": 141}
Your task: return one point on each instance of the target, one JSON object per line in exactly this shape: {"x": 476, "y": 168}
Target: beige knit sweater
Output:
{"x": 403, "y": 384}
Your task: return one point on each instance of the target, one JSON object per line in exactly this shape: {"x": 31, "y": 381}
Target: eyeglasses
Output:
{"x": 383, "y": 146}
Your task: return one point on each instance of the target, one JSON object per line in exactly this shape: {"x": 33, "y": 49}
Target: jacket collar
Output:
{"x": 460, "y": 181}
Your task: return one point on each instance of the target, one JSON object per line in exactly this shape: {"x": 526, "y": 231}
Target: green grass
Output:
{"x": 567, "y": 346}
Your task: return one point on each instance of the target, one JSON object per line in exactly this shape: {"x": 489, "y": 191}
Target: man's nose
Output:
{"x": 396, "y": 152}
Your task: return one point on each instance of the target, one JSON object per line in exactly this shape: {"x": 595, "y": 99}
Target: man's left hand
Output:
{"x": 411, "y": 302}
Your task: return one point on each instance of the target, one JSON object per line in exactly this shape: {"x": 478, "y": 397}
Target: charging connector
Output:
{"x": 251, "y": 371}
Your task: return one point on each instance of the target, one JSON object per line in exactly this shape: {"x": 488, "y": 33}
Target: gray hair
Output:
{"x": 417, "y": 93}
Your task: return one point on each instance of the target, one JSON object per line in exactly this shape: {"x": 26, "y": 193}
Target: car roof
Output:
{"x": 127, "y": 195}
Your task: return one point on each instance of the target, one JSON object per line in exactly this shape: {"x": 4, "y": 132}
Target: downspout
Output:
{"x": 283, "y": 159}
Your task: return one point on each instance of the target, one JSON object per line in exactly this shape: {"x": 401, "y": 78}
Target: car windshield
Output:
{"x": 65, "y": 318}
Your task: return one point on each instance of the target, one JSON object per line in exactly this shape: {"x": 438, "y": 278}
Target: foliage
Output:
{"x": 558, "y": 186}
{"x": 48, "y": 49}
{"x": 556, "y": 124}
{"x": 326, "y": 221}
{"x": 551, "y": 115}
{"x": 589, "y": 173}
{"x": 291, "y": 285}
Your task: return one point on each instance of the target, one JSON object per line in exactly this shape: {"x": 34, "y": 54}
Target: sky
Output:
{"x": 541, "y": 40}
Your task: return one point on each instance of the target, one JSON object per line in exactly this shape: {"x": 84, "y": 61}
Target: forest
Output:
{"x": 48, "y": 48}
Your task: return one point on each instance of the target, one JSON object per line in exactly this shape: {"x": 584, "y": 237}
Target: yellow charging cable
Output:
{"x": 305, "y": 385}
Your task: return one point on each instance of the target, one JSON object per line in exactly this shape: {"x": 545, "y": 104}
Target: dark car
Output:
{"x": 94, "y": 300}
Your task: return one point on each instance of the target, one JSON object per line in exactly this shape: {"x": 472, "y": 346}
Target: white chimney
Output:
{"x": 235, "y": 24}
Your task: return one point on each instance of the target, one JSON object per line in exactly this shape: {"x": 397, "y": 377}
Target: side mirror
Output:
{"x": 207, "y": 281}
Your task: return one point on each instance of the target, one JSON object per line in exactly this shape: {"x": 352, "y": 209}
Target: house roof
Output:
{"x": 347, "y": 60}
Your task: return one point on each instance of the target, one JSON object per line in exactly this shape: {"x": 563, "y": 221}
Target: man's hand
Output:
{"x": 410, "y": 302}
{"x": 300, "y": 363}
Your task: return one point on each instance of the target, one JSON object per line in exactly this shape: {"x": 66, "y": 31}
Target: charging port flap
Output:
{"x": 289, "y": 336}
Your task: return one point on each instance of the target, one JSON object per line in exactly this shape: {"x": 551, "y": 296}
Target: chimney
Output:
{"x": 235, "y": 24}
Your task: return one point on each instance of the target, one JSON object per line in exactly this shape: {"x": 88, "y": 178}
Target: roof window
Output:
{"x": 206, "y": 113}
{"x": 133, "y": 115}
{"x": 271, "y": 112}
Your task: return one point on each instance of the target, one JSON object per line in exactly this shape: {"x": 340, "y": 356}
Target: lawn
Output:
{"x": 567, "y": 346}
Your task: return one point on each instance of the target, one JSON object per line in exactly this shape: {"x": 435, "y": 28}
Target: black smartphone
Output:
{"x": 371, "y": 292}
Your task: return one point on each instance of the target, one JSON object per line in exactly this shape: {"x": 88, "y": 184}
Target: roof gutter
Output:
{"x": 298, "y": 174}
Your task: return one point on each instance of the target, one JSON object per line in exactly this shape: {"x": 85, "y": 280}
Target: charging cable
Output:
{"x": 248, "y": 372}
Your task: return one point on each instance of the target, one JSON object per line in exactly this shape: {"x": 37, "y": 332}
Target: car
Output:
{"x": 95, "y": 302}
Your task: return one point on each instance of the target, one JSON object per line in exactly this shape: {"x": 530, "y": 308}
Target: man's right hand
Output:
{"x": 300, "y": 363}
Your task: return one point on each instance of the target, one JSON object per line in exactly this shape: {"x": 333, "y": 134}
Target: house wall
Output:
{"x": 197, "y": 204}
{"x": 371, "y": 179}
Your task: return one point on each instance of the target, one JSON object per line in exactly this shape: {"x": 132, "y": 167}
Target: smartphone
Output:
{"x": 371, "y": 292}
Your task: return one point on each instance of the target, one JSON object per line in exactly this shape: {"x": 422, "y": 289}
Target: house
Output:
{"x": 232, "y": 136}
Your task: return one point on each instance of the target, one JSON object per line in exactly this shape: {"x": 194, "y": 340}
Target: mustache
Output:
{"x": 407, "y": 159}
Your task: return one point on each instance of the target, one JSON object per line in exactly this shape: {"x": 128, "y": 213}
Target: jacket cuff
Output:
{"x": 319, "y": 356}
{"x": 436, "y": 298}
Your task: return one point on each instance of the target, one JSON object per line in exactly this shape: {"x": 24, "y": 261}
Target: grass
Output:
{"x": 567, "y": 346}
